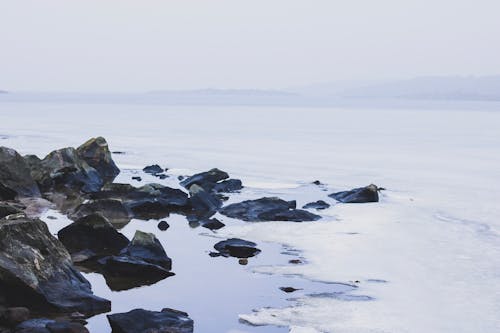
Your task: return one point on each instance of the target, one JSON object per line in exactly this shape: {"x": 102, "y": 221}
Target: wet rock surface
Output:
{"x": 268, "y": 209}
{"x": 15, "y": 176}
{"x": 320, "y": 204}
{"x": 358, "y": 195}
{"x": 143, "y": 321}
{"x": 236, "y": 247}
{"x": 96, "y": 153}
{"x": 203, "y": 203}
{"x": 153, "y": 169}
{"x": 92, "y": 236}
{"x": 214, "y": 180}
{"x": 44, "y": 325}
{"x": 112, "y": 209}
{"x": 36, "y": 271}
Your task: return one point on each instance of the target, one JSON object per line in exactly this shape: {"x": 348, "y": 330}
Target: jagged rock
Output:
{"x": 143, "y": 261}
{"x": 206, "y": 180}
{"x": 15, "y": 176}
{"x": 320, "y": 204}
{"x": 153, "y": 169}
{"x": 203, "y": 203}
{"x": 228, "y": 186}
{"x": 358, "y": 195}
{"x": 111, "y": 209}
{"x": 96, "y": 153}
{"x": 212, "y": 224}
{"x": 94, "y": 235}
{"x": 235, "y": 247}
{"x": 36, "y": 271}
{"x": 66, "y": 327}
{"x": 44, "y": 325}
{"x": 267, "y": 209}
{"x": 143, "y": 321}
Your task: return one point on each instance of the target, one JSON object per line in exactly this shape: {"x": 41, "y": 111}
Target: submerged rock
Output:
{"x": 268, "y": 209}
{"x": 358, "y": 195}
{"x": 235, "y": 247}
{"x": 320, "y": 204}
{"x": 93, "y": 235}
{"x": 143, "y": 321}
{"x": 96, "y": 153}
{"x": 15, "y": 176}
{"x": 36, "y": 271}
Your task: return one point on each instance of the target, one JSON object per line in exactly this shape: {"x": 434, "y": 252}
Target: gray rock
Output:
{"x": 206, "y": 180}
{"x": 358, "y": 195}
{"x": 202, "y": 202}
{"x": 320, "y": 204}
{"x": 235, "y": 247}
{"x": 143, "y": 321}
{"x": 96, "y": 153}
{"x": 36, "y": 271}
{"x": 112, "y": 209}
{"x": 15, "y": 176}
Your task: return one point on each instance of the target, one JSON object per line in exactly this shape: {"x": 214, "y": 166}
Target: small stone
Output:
{"x": 243, "y": 261}
{"x": 137, "y": 178}
{"x": 295, "y": 261}
{"x": 288, "y": 289}
{"x": 163, "y": 225}
{"x": 153, "y": 169}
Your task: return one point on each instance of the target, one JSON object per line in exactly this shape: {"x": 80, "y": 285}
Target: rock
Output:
{"x": 203, "y": 203}
{"x": 15, "y": 176}
{"x": 43, "y": 325}
{"x": 111, "y": 209}
{"x": 151, "y": 201}
{"x": 64, "y": 170}
{"x": 180, "y": 177}
{"x": 243, "y": 261}
{"x": 295, "y": 261}
{"x": 143, "y": 321}
{"x": 320, "y": 204}
{"x": 8, "y": 209}
{"x": 118, "y": 152}
{"x": 212, "y": 224}
{"x": 317, "y": 182}
{"x": 36, "y": 271}
{"x": 137, "y": 178}
{"x": 228, "y": 186}
{"x": 267, "y": 209}
{"x": 92, "y": 233}
{"x": 153, "y": 169}
{"x": 205, "y": 180}
{"x": 96, "y": 153}
{"x": 235, "y": 247}
{"x": 142, "y": 262}
{"x": 163, "y": 225}
{"x": 288, "y": 289}
{"x": 66, "y": 327}
{"x": 13, "y": 316}
{"x": 358, "y": 195}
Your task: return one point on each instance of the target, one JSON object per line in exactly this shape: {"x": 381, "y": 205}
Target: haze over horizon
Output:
{"x": 133, "y": 46}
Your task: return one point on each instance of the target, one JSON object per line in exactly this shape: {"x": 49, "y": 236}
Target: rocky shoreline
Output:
{"x": 40, "y": 277}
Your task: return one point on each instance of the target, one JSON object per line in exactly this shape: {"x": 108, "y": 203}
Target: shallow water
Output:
{"x": 433, "y": 238}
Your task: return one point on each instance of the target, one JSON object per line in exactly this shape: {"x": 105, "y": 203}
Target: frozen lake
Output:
{"x": 426, "y": 258}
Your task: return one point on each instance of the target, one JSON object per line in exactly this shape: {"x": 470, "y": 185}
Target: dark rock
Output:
{"x": 206, "y": 180}
{"x": 212, "y": 224}
{"x": 357, "y": 195}
{"x": 153, "y": 169}
{"x": 202, "y": 202}
{"x": 180, "y": 177}
{"x": 320, "y": 204}
{"x": 117, "y": 152}
{"x": 228, "y": 186}
{"x": 161, "y": 175}
{"x": 13, "y": 316}
{"x": 38, "y": 325}
{"x": 163, "y": 225}
{"x": 137, "y": 178}
{"x": 8, "y": 209}
{"x": 243, "y": 261}
{"x": 96, "y": 153}
{"x": 66, "y": 327}
{"x": 267, "y": 209}
{"x": 111, "y": 209}
{"x": 295, "y": 261}
{"x": 92, "y": 233}
{"x": 50, "y": 217}
{"x": 143, "y": 321}
{"x": 15, "y": 176}
{"x": 235, "y": 247}
{"x": 142, "y": 262}
{"x": 288, "y": 289}
{"x": 317, "y": 182}
{"x": 36, "y": 271}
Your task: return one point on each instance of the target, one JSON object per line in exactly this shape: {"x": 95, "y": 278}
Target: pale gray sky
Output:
{"x": 124, "y": 45}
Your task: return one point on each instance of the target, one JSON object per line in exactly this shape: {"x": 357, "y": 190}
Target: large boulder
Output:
{"x": 112, "y": 209}
{"x": 36, "y": 271}
{"x": 15, "y": 176}
{"x": 92, "y": 236}
{"x": 96, "y": 153}
{"x": 235, "y": 247}
{"x": 142, "y": 262}
{"x": 268, "y": 209}
{"x": 358, "y": 195}
{"x": 143, "y": 321}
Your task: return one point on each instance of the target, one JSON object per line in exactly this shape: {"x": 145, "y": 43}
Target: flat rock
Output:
{"x": 15, "y": 176}
{"x": 235, "y": 247}
{"x": 112, "y": 209}
{"x": 320, "y": 204}
{"x": 153, "y": 169}
{"x": 358, "y": 195}
{"x": 36, "y": 271}
{"x": 92, "y": 233}
{"x": 212, "y": 224}
{"x": 267, "y": 209}
{"x": 143, "y": 321}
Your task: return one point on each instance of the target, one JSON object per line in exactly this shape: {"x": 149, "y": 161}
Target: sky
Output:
{"x": 142, "y": 45}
